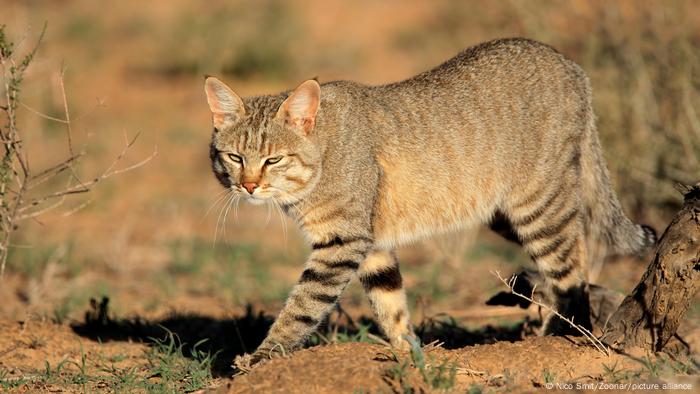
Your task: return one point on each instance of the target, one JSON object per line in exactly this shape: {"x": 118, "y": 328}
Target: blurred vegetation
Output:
{"x": 236, "y": 272}
{"x": 647, "y": 84}
{"x": 233, "y": 39}
{"x": 32, "y": 261}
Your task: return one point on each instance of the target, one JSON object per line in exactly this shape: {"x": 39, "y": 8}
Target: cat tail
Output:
{"x": 609, "y": 230}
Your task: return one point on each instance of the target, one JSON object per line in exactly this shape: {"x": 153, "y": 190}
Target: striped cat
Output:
{"x": 504, "y": 129}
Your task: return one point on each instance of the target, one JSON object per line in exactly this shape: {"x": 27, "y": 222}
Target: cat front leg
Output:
{"x": 331, "y": 265}
{"x": 381, "y": 279}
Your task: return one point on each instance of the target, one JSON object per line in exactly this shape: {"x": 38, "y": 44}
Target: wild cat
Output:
{"x": 504, "y": 129}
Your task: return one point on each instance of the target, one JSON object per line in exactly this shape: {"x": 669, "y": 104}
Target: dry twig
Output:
{"x": 586, "y": 333}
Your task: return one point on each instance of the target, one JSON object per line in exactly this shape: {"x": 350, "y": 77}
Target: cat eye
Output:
{"x": 273, "y": 160}
{"x": 234, "y": 158}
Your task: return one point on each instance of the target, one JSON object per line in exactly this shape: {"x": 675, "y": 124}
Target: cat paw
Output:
{"x": 245, "y": 363}
{"x": 402, "y": 342}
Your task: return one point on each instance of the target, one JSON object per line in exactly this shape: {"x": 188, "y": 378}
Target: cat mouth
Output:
{"x": 260, "y": 197}
{"x": 255, "y": 200}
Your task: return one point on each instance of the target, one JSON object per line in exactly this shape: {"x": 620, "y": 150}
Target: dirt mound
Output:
{"x": 359, "y": 367}
{"x": 334, "y": 368}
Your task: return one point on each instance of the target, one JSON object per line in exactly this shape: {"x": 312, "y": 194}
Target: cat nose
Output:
{"x": 250, "y": 186}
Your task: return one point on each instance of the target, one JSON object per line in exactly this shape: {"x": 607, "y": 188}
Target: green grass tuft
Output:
{"x": 435, "y": 376}
{"x": 174, "y": 371}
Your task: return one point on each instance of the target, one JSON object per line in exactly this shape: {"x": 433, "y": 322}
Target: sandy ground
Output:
{"x": 517, "y": 365}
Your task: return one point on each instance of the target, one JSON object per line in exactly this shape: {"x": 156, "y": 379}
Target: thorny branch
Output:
{"x": 84, "y": 187}
{"x": 19, "y": 199}
{"x": 586, "y": 333}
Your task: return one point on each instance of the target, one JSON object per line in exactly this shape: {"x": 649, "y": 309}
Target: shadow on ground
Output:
{"x": 242, "y": 334}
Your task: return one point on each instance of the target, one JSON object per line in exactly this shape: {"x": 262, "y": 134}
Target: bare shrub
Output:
{"x": 21, "y": 198}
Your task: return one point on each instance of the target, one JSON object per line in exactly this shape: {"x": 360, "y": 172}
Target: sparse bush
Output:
{"x": 23, "y": 191}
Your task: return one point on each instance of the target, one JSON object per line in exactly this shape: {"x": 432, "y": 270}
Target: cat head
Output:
{"x": 264, "y": 147}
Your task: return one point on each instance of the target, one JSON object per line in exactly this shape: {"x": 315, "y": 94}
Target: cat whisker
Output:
{"x": 284, "y": 222}
{"x": 218, "y": 198}
{"x": 222, "y": 204}
{"x": 235, "y": 209}
{"x": 216, "y": 225}
{"x": 221, "y": 212}
{"x": 223, "y": 223}
{"x": 269, "y": 212}
{"x": 295, "y": 206}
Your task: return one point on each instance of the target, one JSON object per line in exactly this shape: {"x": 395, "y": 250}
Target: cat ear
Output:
{"x": 226, "y": 107}
{"x": 299, "y": 109}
